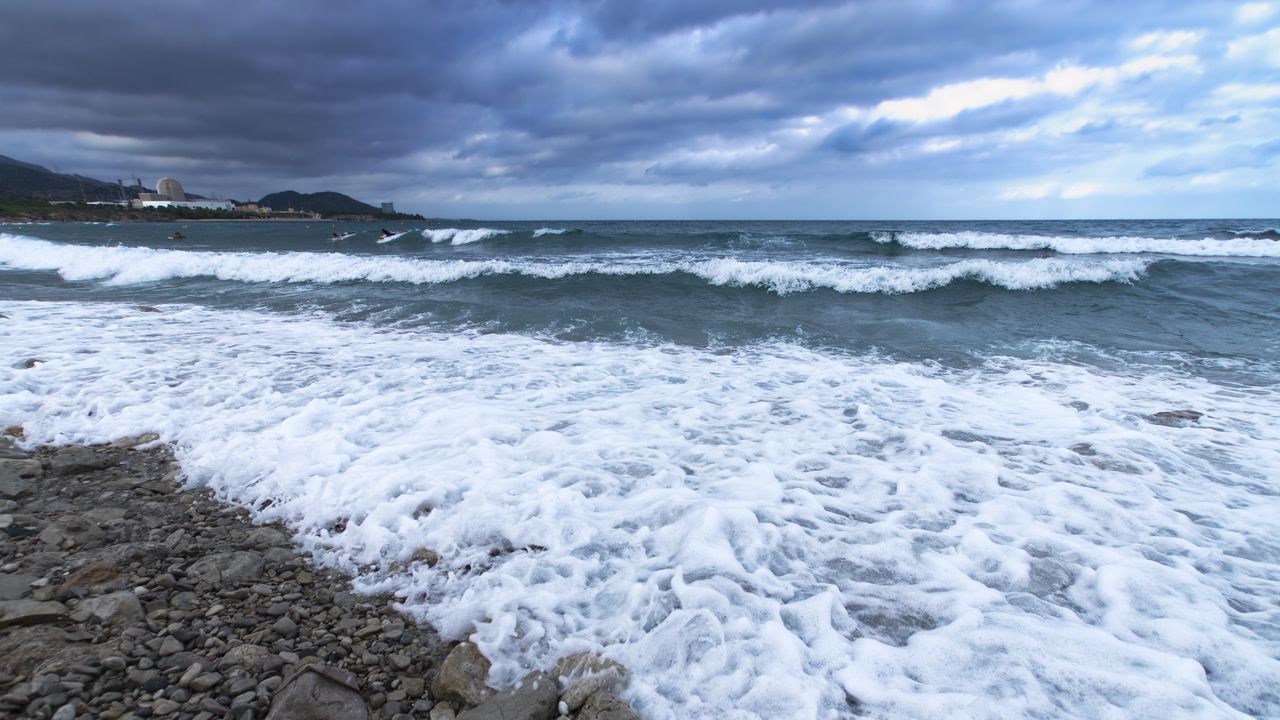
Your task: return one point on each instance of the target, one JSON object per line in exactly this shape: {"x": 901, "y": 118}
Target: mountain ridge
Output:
{"x": 327, "y": 202}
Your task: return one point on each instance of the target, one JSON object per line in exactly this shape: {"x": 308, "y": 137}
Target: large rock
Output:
{"x": 533, "y": 698}
{"x": 118, "y": 608}
{"x": 463, "y": 677}
{"x": 1175, "y": 418}
{"x": 611, "y": 674}
{"x": 72, "y": 532}
{"x": 14, "y": 586}
{"x": 18, "y": 477}
{"x": 25, "y": 649}
{"x": 30, "y": 612}
{"x": 91, "y": 575}
{"x": 248, "y": 656}
{"x": 230, "y": 568}
{"x": 606, "y": 706}
{"x": 127, "y": 553}
{"x": 76, "y": 459}
{"x": 319, "y": 693}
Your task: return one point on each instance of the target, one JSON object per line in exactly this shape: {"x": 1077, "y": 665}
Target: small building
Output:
{"x": 388, "y": 208}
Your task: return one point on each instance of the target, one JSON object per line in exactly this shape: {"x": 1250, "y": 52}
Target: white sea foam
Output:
{"x": 549, "y": 231}
{"x": 1207, "y": 247}
{"x": 124, "y": 265}
{"x": 458, "y": 236}
{"x": 771, "y": 532}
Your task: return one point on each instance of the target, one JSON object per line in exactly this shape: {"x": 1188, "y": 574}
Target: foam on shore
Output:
{"x": 772, "y": 531}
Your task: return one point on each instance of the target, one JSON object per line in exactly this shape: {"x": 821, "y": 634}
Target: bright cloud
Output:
{"x": 1166, "y": 41}
{"x": 1255, "y": 12}
{"x": 951, "y": 100}
{"x": 1264, "y": 47}
{"x": 1051, "y": 189}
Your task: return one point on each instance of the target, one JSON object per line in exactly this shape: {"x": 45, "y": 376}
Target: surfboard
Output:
{"x": 343, "y": 236}
{"x": 389, "y": 238}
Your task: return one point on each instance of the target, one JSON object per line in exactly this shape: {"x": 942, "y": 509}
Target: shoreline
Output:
{"x": 125, "y": 595}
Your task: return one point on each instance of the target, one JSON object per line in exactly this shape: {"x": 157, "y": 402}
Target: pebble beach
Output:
{"x": 124, "y": 594}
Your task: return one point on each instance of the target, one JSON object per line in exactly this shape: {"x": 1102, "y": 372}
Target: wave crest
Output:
{"x": 1259, "y": 245}
{"x": 459, "y": 236}
{"x": 127, "y": 265}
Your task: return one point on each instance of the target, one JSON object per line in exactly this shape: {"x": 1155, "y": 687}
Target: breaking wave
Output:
{"x": 1246, "y": 245}
{"x": 127, "y": 265}
{"x": 458, "y": 236}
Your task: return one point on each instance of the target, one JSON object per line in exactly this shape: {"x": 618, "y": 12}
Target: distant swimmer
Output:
{"x": 386, "y": 233}
{"x": 177, "y": 235}
{"x": 333, "y": 236}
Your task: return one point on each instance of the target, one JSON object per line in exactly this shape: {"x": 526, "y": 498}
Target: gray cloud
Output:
{"x": 562, "y": 100}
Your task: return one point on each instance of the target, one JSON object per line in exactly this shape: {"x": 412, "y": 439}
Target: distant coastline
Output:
{"x": 36, "y": 210}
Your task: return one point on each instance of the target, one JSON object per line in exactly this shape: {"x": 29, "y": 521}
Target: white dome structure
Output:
{"x": 171, "y": 188}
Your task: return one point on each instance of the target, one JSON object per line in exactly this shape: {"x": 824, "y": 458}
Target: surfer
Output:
{"x": 386, "y": 233}
{"x": 333, "y": 236}
{"x": 177, "y": 235}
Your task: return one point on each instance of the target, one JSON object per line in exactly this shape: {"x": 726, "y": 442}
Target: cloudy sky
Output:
{"x": 664, "y": 108}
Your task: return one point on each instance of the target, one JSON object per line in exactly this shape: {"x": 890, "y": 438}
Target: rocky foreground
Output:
{"x": 124, "y": 596}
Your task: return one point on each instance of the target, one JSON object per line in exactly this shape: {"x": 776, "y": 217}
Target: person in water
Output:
{"x": 387, "y": 233}
{"x": 333, "y": 236}
{"x": 177, "y": 235}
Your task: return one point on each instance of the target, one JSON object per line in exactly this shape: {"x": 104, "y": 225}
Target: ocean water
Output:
{"x": 777, "y": 469}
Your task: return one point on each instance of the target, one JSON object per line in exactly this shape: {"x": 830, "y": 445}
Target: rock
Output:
{"x": 125, "y": 554}
{"x": 77, "y": 459}
{"x": 229, "y": 568}
{"x": 119, "y": 609}
{"x": 399, "y": 662}
{"x": 285, "y": 627}
{"x": 135, "y": 441}
{"x": 98, "y": 573}
{"x": 423, "y": 556}
{"x": 66, "y": 712}
{"x": 206, "y": 682}
{"x": 319, "y": 693}
{"x": 443, "y": 711}
{"x": 250, "y": 657}
{"x": 71, "y": 531}
{"x": 18, "y": 477}
{"x": 164, "y": 706}
{"x": 14, "y": 586}
{"x": 587, "y": 665}
{"x": 413, "y": 687}
{"x": 606, "y": 706}
{"x": 463, "y": 677}
{"x": 1175, "y": 418}
{"x": 169, "y": 646}
{"x": 578, "y": 692}
{"x": 266, "y": 537}
{"x": 533, "y": 698}
{"x": 30, "y": 612}
{"x": 278, "y": 556}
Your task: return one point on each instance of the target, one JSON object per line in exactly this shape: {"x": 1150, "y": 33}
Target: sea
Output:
{"x": 776, "y": 469}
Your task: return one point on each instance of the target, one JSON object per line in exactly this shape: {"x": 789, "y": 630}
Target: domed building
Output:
{"x": 171, "y": 188}
{"x": 169, "y": 193}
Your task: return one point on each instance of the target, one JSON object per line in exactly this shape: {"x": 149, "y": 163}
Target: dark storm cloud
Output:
{"x": 473, "y": 96}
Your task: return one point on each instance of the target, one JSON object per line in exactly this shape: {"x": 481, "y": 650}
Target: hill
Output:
{"x": 325, "y": 203}
{"x": 21, "y": 179}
